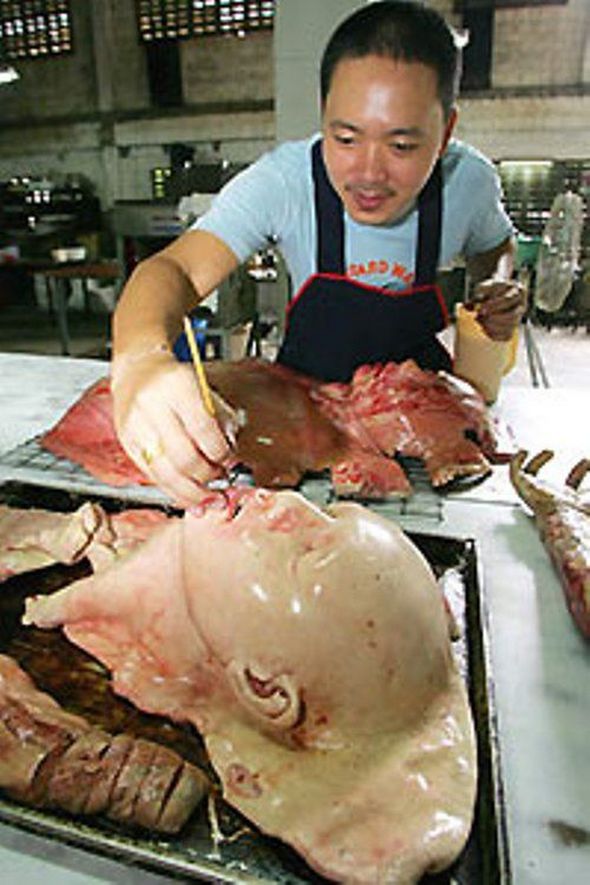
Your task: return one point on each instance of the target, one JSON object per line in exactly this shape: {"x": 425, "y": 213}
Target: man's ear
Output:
{"x": 448, "y": 130}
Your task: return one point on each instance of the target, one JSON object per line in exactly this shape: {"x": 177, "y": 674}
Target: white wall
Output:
{"x": 302, "y": 28}
{"x": 540, "y": 103}
{"x": 544, "y": 46}
{"x": 527, "y": 127}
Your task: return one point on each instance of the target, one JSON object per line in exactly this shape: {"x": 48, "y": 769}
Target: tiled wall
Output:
{"x": 90, "y": 113}
{"x": 541, "y": 46}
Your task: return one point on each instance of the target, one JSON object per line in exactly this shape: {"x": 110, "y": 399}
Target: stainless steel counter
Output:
{"x": 541, "y": 665}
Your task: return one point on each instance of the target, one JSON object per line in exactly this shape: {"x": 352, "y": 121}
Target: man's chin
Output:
{"x": 383, "y": 216}
{"x": 375, "y": 218}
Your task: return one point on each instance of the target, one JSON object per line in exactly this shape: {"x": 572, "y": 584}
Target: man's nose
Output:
{"x": 373, "y": 165}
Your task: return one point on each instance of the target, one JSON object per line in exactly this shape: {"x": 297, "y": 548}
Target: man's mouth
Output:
{"x": 369, "y": 200}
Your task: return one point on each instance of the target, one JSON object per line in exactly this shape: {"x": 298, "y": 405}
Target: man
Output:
{"x": 363, "y": 216}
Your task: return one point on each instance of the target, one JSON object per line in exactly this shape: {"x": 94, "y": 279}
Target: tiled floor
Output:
{"x": 559, "y": 357}
{"x": 29, "y": 329}
{"x": 565, "y": 353}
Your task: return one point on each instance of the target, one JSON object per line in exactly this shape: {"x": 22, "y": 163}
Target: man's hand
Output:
{"x": 164, "y": 426}
{"x": 500, "y": 306}
{"x": 499, "y": 301}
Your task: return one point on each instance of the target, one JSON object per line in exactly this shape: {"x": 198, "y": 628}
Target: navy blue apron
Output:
{"x": 335, "y": 324}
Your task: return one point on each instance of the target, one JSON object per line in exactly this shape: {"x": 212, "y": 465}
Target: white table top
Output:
{"x": 541, "y": 665}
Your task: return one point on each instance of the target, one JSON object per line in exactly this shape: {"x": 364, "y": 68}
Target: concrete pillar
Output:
{"x": 102, "y": 32}
{"x": 103, "y": 26}
{"x": 302, "y": 28}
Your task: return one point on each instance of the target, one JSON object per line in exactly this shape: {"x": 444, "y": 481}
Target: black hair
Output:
{"x": 404, "y": 30}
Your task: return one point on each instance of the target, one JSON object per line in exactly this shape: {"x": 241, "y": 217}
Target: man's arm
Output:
{"x": 165, "y": 287}
{"x": 159, "y": 414}
{"x": 499, "y": 300}
{"x": 497, "y": 263}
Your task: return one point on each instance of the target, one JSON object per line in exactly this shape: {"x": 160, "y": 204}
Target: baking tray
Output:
{"x": 81, "y": 685}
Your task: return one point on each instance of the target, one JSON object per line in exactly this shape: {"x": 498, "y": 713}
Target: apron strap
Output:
{"x": 329, "y": 213}
{"x": 429, "y": 228}
{"x": 329, "y": 216}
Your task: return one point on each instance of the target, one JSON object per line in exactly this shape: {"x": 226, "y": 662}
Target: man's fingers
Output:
{"x": 186, "y": 456}
{"x": 183, "y": 404}
{"x": 500, "y": 326}
{"x": 207, "y": 435}
{"x": 499, "y": 296}
{"x": 165, "y": 428}
{"x": 177, "y": 411}
{"x": 147, "y": 453}
{"x": 503, "y": 306}
{"x": 500, "y": 305}
{"x": 183, "y": 491}
{"x": 171, "y": 452}
{"x": 498, "y": 332}
{"x": 169, "y": 457}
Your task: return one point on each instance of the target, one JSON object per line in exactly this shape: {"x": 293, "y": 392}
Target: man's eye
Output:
{"x": 403, "y": 147}
{"x": 344, "y": 139}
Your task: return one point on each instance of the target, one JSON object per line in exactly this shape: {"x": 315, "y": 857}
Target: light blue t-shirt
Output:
{"x": 273, "y": 201}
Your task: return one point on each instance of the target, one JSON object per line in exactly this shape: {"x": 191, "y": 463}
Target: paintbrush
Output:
{"x": 198, "y": 365}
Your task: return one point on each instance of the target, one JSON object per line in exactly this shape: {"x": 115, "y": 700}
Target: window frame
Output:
{"x": 36, "y": 29}
{"x": 161, "y": 20}
{"x": 468, "y": 5}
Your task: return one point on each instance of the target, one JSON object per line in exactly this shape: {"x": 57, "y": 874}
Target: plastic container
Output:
{"x": 479, "y": 359}
{"x": 181, "y": 348}
{"x": 68, "y": 253}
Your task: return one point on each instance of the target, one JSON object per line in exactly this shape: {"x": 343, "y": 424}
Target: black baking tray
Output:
{"x": 81, "y": 685}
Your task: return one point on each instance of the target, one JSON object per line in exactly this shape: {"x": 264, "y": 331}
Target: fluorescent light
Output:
{"x": 527, "y": 164}
{"x": 8, "y": 74}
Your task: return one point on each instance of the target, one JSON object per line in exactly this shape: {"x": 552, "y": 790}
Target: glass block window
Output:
{"x": 181, "y": 19}
{"x": 35, "y": 28}
{"x": 530, "y": 186}
{"x": 464, "y": 5}
{"x": 159, "y": 177}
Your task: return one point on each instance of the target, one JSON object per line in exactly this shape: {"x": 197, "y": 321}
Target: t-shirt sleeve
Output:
{"x": 249, "y": 211}
{"x": 490, "y": 224}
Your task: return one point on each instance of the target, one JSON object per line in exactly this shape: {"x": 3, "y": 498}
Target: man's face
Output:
{"x": 384, "y": 129}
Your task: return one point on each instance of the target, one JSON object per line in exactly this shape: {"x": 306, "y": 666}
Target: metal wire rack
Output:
{"x": 30, "y": 464}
